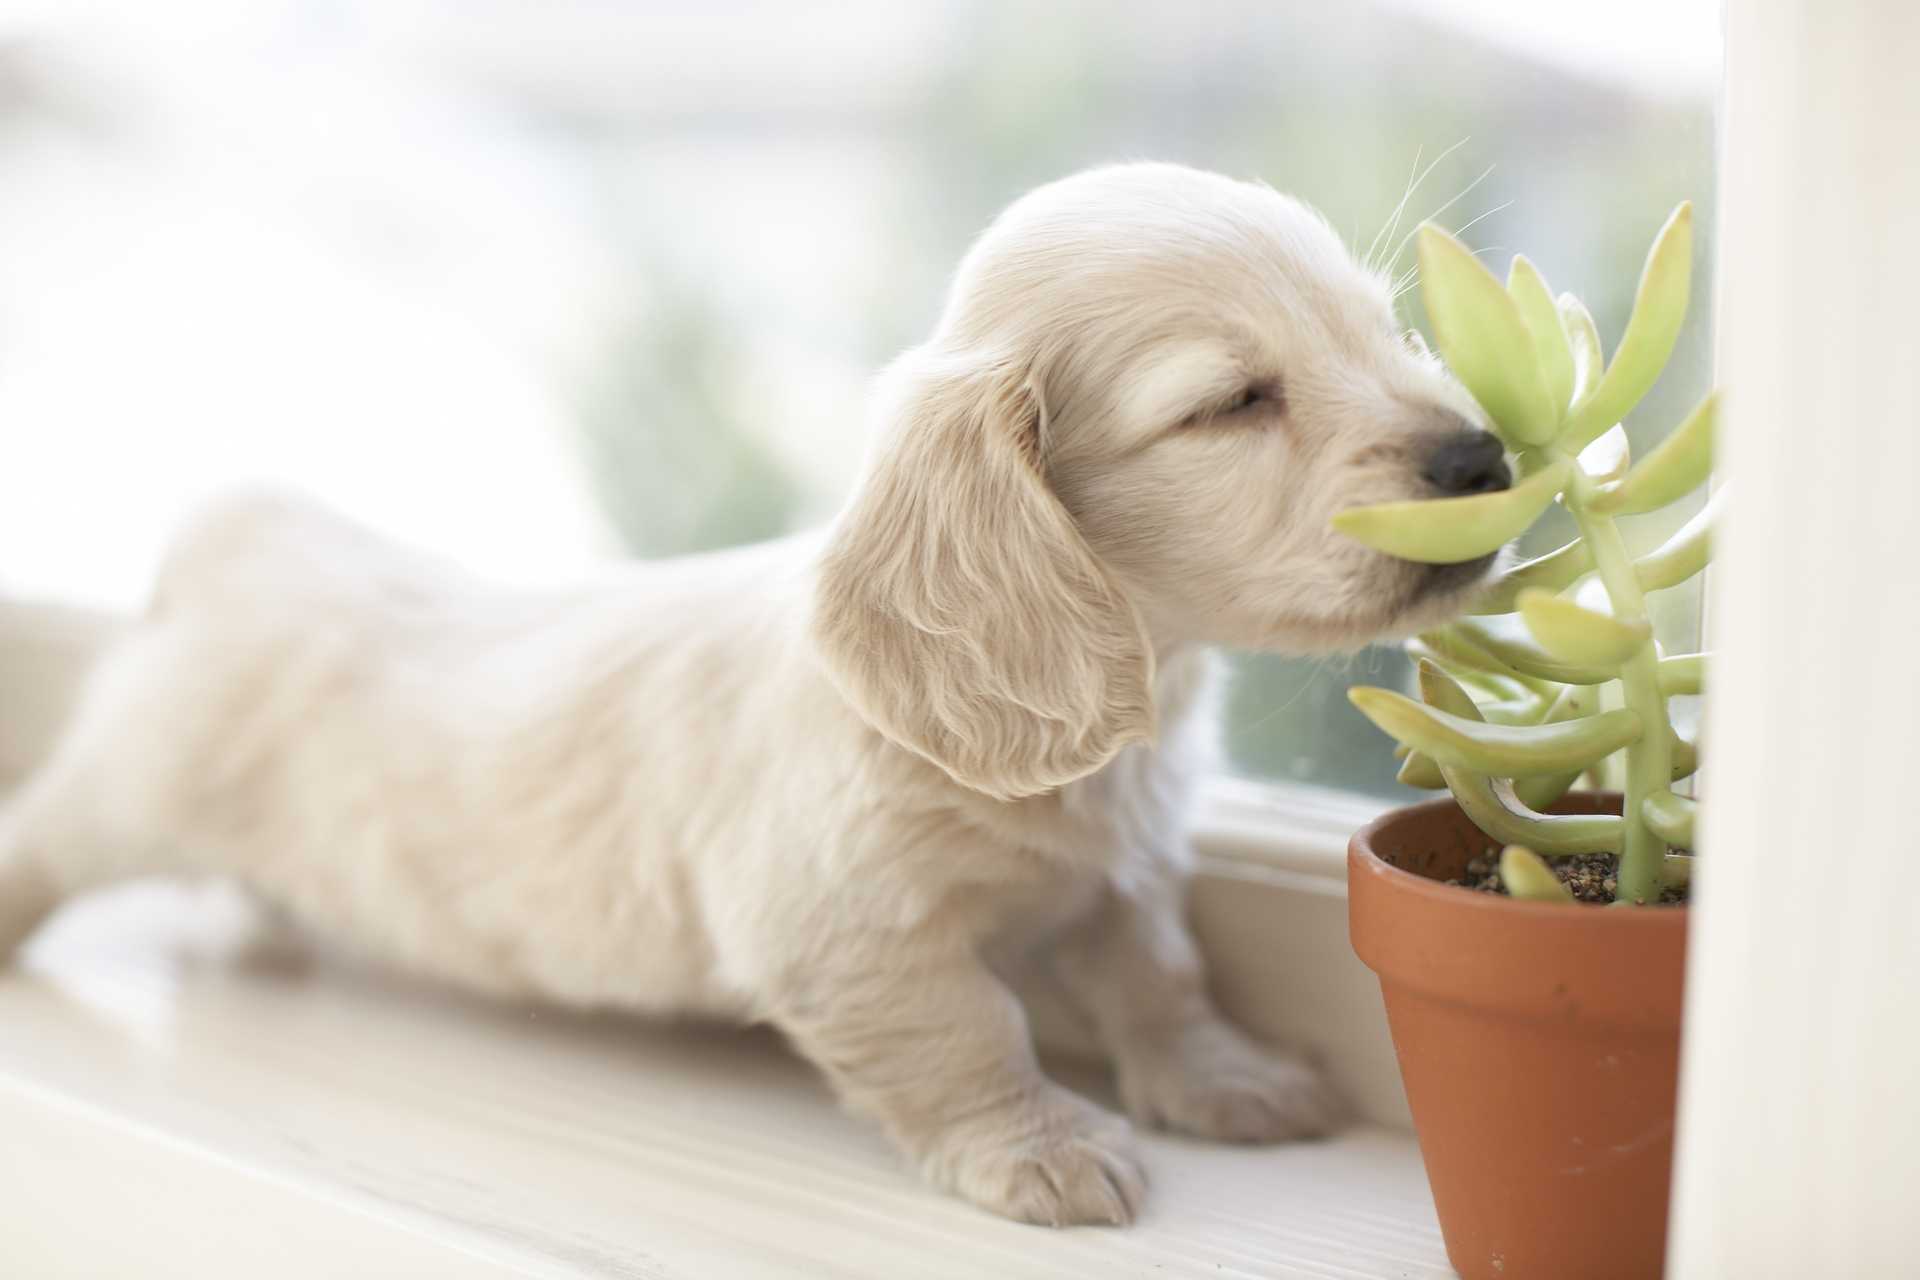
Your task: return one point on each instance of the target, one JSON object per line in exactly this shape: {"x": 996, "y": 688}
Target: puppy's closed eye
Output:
{"x": 1265, "y": 396}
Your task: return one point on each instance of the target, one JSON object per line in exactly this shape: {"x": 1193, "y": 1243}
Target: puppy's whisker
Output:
{"x": 1417, "y": 176}
{"x": 1464, "y": 192}
{"x": 1392, "y": 224}
{"x": 1405, "y": 283}
{"x": 1318, "y": 669}
{"x": 1402, "y": 283}
{"x": 1481, "y": 218}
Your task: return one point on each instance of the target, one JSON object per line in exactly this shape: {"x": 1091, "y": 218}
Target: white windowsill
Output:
{"x": 173, "y": 1106}
{"x": 1282, "y": 826}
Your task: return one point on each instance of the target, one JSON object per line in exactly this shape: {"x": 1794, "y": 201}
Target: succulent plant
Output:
{"x": 1511, "y": 712}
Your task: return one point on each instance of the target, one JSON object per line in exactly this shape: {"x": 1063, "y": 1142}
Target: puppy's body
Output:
{"x": 848, "y": 783}
{"x": 560, "y": 795}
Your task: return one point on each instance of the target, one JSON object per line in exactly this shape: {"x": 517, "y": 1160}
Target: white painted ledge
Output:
{"x": 170, "y": 1108}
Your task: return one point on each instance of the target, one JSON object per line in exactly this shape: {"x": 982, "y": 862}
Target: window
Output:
{"x": 538, "y": 281}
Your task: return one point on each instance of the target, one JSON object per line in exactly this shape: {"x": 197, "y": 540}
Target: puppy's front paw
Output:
{"x": 1057, "y": 1162}
{"x": 1210, "y": 1081}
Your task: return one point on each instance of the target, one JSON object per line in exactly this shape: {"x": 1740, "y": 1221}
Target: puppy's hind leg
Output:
{"x": 28, "y": 892}
{"x": 49, "y": 849}
{"x": 48, "y": 652}
{"x": 77, "y": 822}
{"x": 60, "y": 837}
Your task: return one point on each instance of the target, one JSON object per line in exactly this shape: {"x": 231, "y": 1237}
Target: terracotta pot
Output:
{"x": 1540, "y": 1047}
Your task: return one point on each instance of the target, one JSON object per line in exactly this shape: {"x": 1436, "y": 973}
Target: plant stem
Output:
{"x": 1649, "y": 760}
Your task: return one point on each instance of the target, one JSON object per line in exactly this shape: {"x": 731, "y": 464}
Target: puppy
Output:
{"x": 846, "y": 782}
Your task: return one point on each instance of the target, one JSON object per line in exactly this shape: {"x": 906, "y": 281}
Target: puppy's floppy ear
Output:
{"x": 959, "y": 608}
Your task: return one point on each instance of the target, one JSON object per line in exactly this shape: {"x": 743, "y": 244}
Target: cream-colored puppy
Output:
{"x": 842, "y": 783}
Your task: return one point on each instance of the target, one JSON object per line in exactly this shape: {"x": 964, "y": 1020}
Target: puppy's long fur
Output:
{"x": 844, "y": 783}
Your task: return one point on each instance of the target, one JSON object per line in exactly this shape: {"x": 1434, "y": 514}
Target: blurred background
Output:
{"x": 537, "y": 283}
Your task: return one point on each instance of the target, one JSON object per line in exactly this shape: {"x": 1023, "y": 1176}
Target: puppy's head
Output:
{"x": 1150, "y": 391}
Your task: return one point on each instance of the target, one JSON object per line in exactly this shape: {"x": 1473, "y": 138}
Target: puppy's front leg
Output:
{"x": 937, "y": 1050}
{"x": 1133, "y": 967}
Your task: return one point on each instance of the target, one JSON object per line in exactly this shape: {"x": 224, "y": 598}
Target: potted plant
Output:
{"x": 1538, "y": 1033}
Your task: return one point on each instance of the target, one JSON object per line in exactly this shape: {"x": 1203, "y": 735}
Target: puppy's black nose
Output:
{"x": 1470, "y": 462}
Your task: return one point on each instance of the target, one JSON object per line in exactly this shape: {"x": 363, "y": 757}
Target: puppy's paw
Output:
{"x": 1057, "y": 1162}
{"x": 1210, "y": 1081}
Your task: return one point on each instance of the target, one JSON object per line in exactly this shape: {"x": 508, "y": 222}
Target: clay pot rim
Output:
{"x": 1360, "y": 856}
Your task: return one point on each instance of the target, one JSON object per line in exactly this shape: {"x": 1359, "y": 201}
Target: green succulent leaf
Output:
{"x": 1452, "y": 530}
{"x": 1440, "y": 690}
{"x": 1686, "y": 758}
{"x": 1676, "y": 468}
{"x": 1537, "y": 793}
{"x": 1507, "y": 641}
{"x": 1670, "y": 816}
{"x": 1529, "y": 878}
{"x": 1684, "y": 554}
{"x": 1507, "y": 751}
{"x": 1484, "y": 339}
{"x": 1676, "y": 869}
{"x": 1494, "y": 805}
{"x": 1419, "y": 770}
{"x": 1608, "y": 457}
{"x": 1469, "y": 662}
{"x": 1683, "y": 674}
{"x": 1528, "y": 289}
{"x": 1549, "y": 572}
{"x": 1583, "y": 339}
{"x": 1476, "y": 666}
{"x": 1489, "y": 684}
{"x": 1578, "y": 635}
{"x": 1659, "y": 307}
{"x": 1497, "y": 686}
{"x": 1527, "y": 708}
